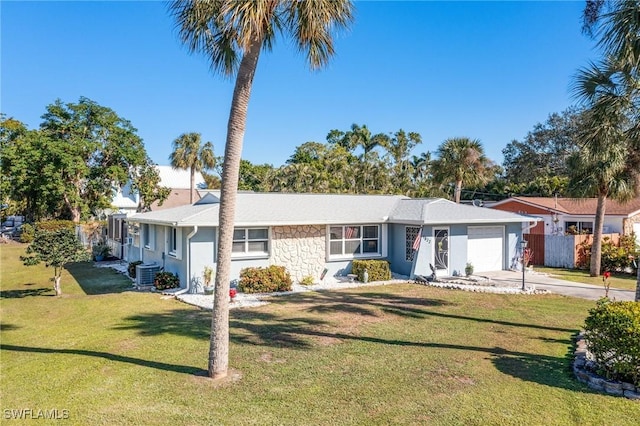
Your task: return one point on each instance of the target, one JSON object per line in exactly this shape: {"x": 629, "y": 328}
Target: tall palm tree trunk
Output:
{"x": 596, "y": 247}
{"x": 458, "y": 191}
{"x": 192, "y": 184}
{"x": 219, "y": 343}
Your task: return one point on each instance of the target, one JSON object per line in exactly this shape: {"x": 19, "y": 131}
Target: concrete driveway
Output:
{"x": 554, "y": 285}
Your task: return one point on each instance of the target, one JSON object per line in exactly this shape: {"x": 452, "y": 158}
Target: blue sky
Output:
{"x": 485, "y": 70}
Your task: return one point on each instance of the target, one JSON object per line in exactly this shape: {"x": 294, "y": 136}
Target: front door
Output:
{"x": 441, "y": 251}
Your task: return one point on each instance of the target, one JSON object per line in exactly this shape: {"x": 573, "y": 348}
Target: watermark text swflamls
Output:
{"x": 35, "y": 414}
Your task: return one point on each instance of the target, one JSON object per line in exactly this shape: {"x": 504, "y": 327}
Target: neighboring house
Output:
{"x": 126, "y": 201}
{"x": 308, "y": 233}
{"x": 569, "y": 215}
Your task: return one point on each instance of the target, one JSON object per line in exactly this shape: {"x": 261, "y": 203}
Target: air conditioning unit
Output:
{"x": 145, "y": 274}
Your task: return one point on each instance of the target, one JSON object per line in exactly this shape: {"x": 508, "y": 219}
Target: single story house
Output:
{"x": 308, "y": 233}
{"x": 575, "y": 215}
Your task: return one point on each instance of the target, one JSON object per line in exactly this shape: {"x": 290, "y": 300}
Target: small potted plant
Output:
{"x": 101, "y": 251}
{"x": 207, "y": 276}
{"x": 468, "y": 270}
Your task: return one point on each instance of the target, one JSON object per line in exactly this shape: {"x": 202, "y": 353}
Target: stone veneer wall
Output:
{"x": 301, "y": 249}
{"x": 627, "y": 224}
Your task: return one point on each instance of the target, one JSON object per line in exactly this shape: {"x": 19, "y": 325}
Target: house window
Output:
{"x": 578, "y": 227}
{"x": 148, "y": 237}
{"x": 250, "y": 242}
{"x": 354, "y": 240}
{"x": 174, "y": 242}
{"x": 411, "y": 233}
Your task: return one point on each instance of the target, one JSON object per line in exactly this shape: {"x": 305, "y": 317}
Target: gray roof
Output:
{"x": 267, "y": 209}
{"x": 438, "y": 211}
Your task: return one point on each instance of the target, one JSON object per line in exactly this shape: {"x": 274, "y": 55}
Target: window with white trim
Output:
{"x": 354, "y": 240}
{"x": 250, "y": 242}
{"x": 578, "y": 227}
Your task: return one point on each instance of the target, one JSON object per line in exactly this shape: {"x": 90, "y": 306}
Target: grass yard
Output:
{"x": 617, "y": 280}
{"x": 398, "y": 354}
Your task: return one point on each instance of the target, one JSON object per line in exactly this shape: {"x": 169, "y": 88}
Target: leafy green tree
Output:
{"x": 254, "y": 177}
{"x": 232, "y": 34}
{"x": 190, "y": 154}
{"x": 146, "y": 182}
{"x": 90, "y": 149}
{"x": 459, "y": 161}
{"x": 55, "y": 248}
{"x": 399, "y": 147}
{"x": 25, "y": 185}
{"x": 545, "y": 149}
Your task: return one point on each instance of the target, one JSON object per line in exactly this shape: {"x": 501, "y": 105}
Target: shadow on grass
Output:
{"x": 367, "y": 304}
{"x": 180, "y": 322}
{"x": 17, "y": 294}
{"x": 8, "y": 327}
{"x": 328, "y": 316}
{"x": 112, "y": 357}
{"x": 93, "y": 280}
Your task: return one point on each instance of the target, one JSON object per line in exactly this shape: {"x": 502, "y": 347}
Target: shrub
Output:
{"x": 307, "y": 280}
{"x": 166, "y": 280}
{"x": 378, "y": 270}
{"x": 265, "y": 280}
{"x": 55, "y": 225}
{"x": 613, "y": 258}
{"x": 612, "y": 331}
{"x": 131, "y": 269}
{"x": 101, "y": 250}
{"x": 28, "y": 233}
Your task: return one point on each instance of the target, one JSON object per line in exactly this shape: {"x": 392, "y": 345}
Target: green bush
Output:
{"x": 378, "y": 270}
{"x": 55, "y": 225}
{"x": 613, "y": 258}
{"x": 131, "y": 268}
{"x": 265, "y": 280}
{"x": 612, "y": 331}
{"x": 307, "y": 280}
{"x": 166, "y": 280}
{"x": 28, "y": 233}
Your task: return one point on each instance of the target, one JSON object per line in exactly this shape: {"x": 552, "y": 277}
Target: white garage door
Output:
{"x": 636, "y": 230}
{"x": 485, "y": 249}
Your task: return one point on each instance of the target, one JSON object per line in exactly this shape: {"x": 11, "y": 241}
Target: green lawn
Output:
{"x": 397, "y": 354}
{"x": 617, "y": 280}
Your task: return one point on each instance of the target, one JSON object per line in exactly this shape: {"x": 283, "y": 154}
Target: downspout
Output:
{"x": 188, "y": 259}
{"x": 531, "y": 226}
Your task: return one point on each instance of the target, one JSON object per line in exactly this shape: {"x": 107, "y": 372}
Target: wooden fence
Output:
{"x": 535, "y": 242}
{"x": 567, "y": 251}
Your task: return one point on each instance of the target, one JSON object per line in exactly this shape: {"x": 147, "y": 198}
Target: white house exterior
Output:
{"x": 308, "y": 233}
{"x": 126, "y": 200}
{"x": 561, "y": 215}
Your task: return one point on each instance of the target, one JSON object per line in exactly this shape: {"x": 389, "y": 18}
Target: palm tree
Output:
{"x": 189, "y": 154}
{"x": 399, "y": 148}
{"x": 461, "y": 160}
{"x": 611, "y": 90}
{"x": 603, "y": 174}
{"x": 232, "y": 33}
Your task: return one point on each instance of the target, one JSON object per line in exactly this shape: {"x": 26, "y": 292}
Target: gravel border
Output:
{"x": 475, "y": 283}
